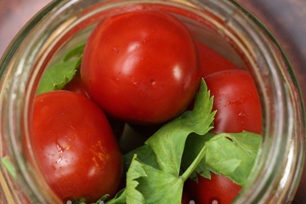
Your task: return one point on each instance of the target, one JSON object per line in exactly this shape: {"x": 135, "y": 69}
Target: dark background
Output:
{"x": 286, "y": 20}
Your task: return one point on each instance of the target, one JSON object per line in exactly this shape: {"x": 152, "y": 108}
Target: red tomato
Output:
{"x": 76, "y": 85}
{"x": 141, "y": 66}
{"x": 74, "y": 146}
{"x": 211, "y": 61}
{"x": 185, "y": 198}
{"x": 219, "y": 189}
{"x": 236, "y": 101}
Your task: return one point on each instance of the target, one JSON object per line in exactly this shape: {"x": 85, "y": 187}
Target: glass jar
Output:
{"x": 222, "y": 24}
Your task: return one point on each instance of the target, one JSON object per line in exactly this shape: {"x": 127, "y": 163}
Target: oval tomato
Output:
{"x": 218, "y": 189}
{"x": 141, "y": 66}
{"x": 74, "y": 146}
{"x": 236, "y": 101}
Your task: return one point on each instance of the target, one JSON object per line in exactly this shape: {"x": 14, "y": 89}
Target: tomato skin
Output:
{"x": 236, "y": 101}
{"x": 211, "y": 61}
{"x": 218, "y": 189}
{"x": 76, "y": 85}
{"x": 185, "y": 198}
{"x": 74, "y": 146}
{"x": 141, "y": 66}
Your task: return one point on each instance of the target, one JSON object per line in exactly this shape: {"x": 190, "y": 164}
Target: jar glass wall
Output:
{"x": 222, "y": 24}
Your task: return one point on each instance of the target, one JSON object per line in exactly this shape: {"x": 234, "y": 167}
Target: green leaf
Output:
{"x": 194, "y": 144}
{"x": 153, "y": 175}
{"x": 233, "y": 154}
{"x": 59, "y": 74}
{"x": 149, "y": 185}
{"x": 183, "y": 148}
{"x": 144, "y": 153}
{"x": 169, "y": 141}
{"x": 120, "y": 198}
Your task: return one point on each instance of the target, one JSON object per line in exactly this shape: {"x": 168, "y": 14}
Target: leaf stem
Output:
{"x": 193, "y": 165}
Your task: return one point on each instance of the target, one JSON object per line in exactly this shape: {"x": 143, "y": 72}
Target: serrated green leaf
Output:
{"x": 57, "y": 75}
{"x": 154, "y": 172}
{"x": 153, "y": 185}
{"x": 185, "y": 147}
{"x": 120, "y": 198}
{"x": 233, "y": 154}
{"x": 168, "y": 142}
{"x": 144, "y": 154}
{"x": 135, "y": 171}
{"x": 194, "y": 144}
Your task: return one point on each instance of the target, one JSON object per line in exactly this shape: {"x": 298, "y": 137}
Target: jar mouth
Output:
{"x": 280, "y": 158}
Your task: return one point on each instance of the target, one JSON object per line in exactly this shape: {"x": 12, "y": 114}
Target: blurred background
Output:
{"x": 286, "y": 20}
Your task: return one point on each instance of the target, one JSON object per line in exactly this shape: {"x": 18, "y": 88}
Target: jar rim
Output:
{"x": 284, "y": 119}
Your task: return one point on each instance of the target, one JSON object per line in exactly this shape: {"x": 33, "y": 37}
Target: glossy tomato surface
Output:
{"x": 141, "y": 66}
{"x": 236, "y": 100}
{"x": 74, "y": 146}
{"x": 218, "y": 189}
{"x": 76, "y": 85}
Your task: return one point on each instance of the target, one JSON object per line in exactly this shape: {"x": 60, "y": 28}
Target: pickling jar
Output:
{"x": 222, "y": 24}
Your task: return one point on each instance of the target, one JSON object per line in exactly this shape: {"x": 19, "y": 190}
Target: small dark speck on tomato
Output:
{"x": 116, "y": 50}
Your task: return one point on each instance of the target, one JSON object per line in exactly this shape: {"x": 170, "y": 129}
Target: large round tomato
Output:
{"x": 74, "y": 146}
{"x": 236, "y": 101}
{"x": 141, "y": 66}
{"x": 218, "y": 189}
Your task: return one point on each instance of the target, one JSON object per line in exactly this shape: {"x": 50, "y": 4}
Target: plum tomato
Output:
{"x": 211, "y": 61}
{"x": 218, "y": 189}
{"x": 141, "y": 66}
{"x": 74, "y": 146}
{"x": 236, "y": 100}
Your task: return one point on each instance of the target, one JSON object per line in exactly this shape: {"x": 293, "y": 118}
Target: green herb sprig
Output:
{"x": 62, "y": 72}
{"x": 182, "y": 148}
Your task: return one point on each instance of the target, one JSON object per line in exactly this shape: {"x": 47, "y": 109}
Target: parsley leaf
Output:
{"x": 184, "y": 148}
{"x": 230, "y": 154}
{"x": 154, "y": 173}
{"x": 233, "y": 154}
{"x": 59, "y": 74}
